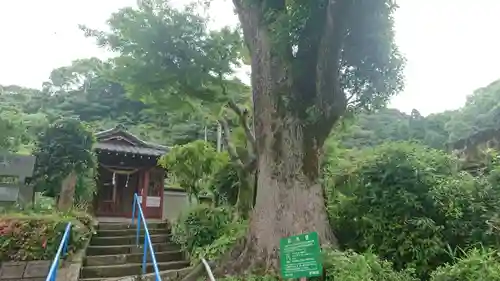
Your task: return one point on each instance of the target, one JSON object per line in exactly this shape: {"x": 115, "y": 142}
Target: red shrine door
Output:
{"x": 116, "y": 192}
{"x": 152, "y": 193}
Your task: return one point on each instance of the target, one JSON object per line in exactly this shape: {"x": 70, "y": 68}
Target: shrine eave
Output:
{"x": 112, "y": 141}
{"x": 111, "y": 147}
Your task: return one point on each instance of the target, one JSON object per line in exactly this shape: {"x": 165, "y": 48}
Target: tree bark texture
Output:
{"x": 285, "y": 88}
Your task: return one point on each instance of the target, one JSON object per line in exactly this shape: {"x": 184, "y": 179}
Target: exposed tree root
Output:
{"x": 245, "y": 258}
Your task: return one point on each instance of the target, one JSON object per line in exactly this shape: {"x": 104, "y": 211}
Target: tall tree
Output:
{"x": 311, "y": 61}
{"x": 480, "y": 112}
{"x": 63, "y": 153}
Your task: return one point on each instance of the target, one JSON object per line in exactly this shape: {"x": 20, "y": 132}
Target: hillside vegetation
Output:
{"x": 301, "y": 151}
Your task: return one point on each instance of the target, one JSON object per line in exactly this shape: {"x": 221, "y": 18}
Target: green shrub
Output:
{"x": 350, "y": 266}
{"x": 477, "y": 265}
{"x": 346, "y": 266}
{"x": 26, "y": 237}
{"x": 408, "y": 204}
{"x": 229, "y": 235}
{"x": 225, "y": 185}
{"x": 200, "y": 226}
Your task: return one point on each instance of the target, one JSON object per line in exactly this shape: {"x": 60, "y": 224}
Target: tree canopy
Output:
{"x": 167, "y": 57}
{"x": 64, "y": 148}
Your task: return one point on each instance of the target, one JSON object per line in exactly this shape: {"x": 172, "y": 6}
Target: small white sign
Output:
{"x": 151, "y": 201}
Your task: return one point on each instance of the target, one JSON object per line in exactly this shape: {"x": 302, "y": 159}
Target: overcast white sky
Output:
{"x": 452, "y": 46}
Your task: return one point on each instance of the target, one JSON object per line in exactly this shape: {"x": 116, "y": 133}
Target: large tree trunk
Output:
{"x": 289, "y": 202}
{"x": 297, "y": 100}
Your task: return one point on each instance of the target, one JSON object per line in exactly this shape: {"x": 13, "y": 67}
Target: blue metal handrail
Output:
{"x": 63, "y": 247}
{"x": 147, "y": 238}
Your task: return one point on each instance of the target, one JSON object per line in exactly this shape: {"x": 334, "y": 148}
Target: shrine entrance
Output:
{"x": 128, "y": 165}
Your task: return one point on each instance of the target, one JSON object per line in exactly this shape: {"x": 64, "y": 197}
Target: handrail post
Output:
{"x": 62, "y": 249}
{"x": 138, "y": 231}
{"x": 65, "y": 246}
{"x": 144, "y": 256}
{"x": 147, "y": 239}
{"x": 54, "y": 275}
{"x": 133, "y": 209}
{"x": 208, "y": 270}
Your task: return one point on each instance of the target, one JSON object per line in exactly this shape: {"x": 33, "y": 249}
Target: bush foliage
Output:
{"x": 477, "y": 265}
{"x": 228, "y": 237}
{"x": 350, "y": 266}
{"x": 200, "y": 226}
{"x": 25, "y": 237}
{"x": 347, "y": 266}
{"x": 410, "y": 205}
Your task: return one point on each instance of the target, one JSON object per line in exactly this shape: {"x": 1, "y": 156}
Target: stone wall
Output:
{"x": 174, "y": 203}
{"x": 37, "y": 271}
{"x": 29, "y": 271}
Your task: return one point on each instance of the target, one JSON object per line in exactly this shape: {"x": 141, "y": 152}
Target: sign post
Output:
{"x": 300, "y": 256}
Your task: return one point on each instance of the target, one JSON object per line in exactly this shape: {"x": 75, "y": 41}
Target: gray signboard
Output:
{"x": 9, "y": 193}
{"x": 17, "y": 167}
{"x": 20, "y": 166}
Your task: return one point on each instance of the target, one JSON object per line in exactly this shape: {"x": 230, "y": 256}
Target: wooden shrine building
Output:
{"x": 127, "y": 165}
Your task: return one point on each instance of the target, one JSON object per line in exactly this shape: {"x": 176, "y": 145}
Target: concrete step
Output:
{"x": 127, "y": 240}
{"x": 165, "y": 275}
{"x": 124, "y": 226}
{"x": 166, "y": 256}
{"x": 129, "y": 249}
{"x": 127, "y": 269}
{"x": 128, "y": 232}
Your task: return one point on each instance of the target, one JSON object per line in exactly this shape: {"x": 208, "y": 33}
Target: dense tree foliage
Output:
{"x": 63, "y": 154}
{"x": 481, "y": 112}
{"x": 192, "y": 166}
{"x": 81, "y": 90}
{"x": 103, "y": 104}
{"x": 373, "y": 128}
{"x": 411, "y": 205}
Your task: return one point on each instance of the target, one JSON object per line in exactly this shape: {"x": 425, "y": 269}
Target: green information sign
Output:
{"x": 300, "y": 256}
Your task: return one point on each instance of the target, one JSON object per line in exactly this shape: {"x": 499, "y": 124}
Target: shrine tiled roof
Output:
{"x": 120, "y": 141}
{"x": 130, "y": 149}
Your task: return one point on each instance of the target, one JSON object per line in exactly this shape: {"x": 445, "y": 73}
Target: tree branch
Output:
{"x": 230, "y": 147}
{"x": 243, "y": 117}
{"x": 252, "y": 16}
{"x": 329, "y": 98}
{"x": 307, "y": 53}
{"x": 249, "y": 19}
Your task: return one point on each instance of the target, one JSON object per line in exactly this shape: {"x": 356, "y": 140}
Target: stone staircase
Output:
{"x": 113, "y": 254}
